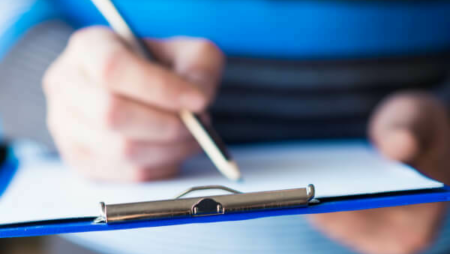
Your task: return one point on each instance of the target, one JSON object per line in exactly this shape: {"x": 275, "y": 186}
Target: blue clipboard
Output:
{"x": 79, "y": 225}
{"x": 325, "y": 205}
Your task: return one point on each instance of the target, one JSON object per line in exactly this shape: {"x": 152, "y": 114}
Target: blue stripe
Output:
{"x": 311, "y": 29}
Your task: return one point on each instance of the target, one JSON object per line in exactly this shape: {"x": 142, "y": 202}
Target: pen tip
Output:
{"x": 233, "y": 172}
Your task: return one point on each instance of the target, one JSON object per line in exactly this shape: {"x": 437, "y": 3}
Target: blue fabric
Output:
{"x": 289, "y": 29}
{"x": 326, "y": 206}
{"x": 281, "y": 29}
{"x": 40, "y": 11}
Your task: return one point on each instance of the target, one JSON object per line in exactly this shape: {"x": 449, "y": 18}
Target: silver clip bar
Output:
{"x": 206, "y": 206}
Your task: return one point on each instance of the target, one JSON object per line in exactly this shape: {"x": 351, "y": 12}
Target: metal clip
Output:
{"x": 207, "y": 206}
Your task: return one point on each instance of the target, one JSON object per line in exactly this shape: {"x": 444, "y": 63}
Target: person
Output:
{"x": 113, "y": 117}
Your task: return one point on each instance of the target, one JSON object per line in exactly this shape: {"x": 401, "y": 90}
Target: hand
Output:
{"x": 414, "y": 128}
{"x": 114, "y": 115}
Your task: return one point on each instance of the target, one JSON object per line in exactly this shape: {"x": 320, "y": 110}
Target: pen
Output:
{"x": 206, "y": 136}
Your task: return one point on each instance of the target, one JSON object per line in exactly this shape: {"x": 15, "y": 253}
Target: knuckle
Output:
{"x": 206, "y": 45}
{"x": 127, "y": 149}
{"x": 203, "y": 46}
{"x": 81, "y": 37}
{"x": 210, "y": 49}
{"x": 139, "y": 175}
{"x": 203, "y": 104}
{"x": 50, "y": 77}
{"x": 112, "y": 118}
{"x": 164, "y": 84}
{"x": 164, "y": 87}
{"x": 174, "y": 128}
{"x": 48, "y": 81}
{"x": 151, "y": 173}
{"x": 78, "y": 40}
{"x": 82, "y": 41}
{"x": 110, "y": 64}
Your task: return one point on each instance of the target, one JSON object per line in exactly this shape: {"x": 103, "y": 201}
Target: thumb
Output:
{"x": 413, "y": 127}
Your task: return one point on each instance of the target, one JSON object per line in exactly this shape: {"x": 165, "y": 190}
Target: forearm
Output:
{"x": 22, "y": 102}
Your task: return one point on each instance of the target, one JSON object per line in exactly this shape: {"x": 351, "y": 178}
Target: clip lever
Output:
{"x": 207, "y": 206}
{"x": 208, "y": 187}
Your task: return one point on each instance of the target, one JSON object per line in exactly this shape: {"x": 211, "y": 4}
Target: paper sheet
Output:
{"x": 50, "y": 190}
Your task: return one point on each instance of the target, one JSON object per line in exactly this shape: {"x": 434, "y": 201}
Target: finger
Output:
{"x": 97, "y": 165}
{"x": 130, "y": 119}
{"x": 198, "y": 60}
{"x": 63, "y": 123}
{"x": 129, "y": 175}
{"x": 140, "y": 122}
{"x": 138, "y": 162}
{"x": 110, "y": 64}
{"x": 71, "y": 138}
{"x": 119, "y": 149}
{"x": 75, "y": 155}
{"x": 118, "y": 158}
{"x": 149, "y": 155}
{"x": 94, "y": 167}
{"x": 111, "y": 112}
{"x": 413, "y": 127}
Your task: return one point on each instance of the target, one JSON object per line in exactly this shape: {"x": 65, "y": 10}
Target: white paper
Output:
{"x": 45, "y": 189}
